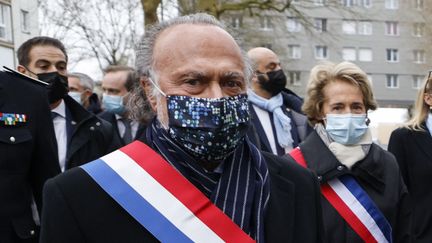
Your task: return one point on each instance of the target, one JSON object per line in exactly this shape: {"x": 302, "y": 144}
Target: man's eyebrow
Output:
{"x": 232, "y": 75}
{"x": 194, "y": 74}
{"x": 42, "y": 61}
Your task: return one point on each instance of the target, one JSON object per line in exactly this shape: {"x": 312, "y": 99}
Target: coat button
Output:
{"x": 12, "y": 139}
{"x": 340, "y": 168}
{"x": 92, "y": 128}
{"x": 98, "y": 123}
{"x": 73, "y": 123}
{"x": 32, "y": 232}
{"x": 319, "y": 178}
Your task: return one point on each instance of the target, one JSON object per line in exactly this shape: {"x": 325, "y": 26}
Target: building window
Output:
{"x": 294, "y": 78}
{"x": 348, "y": 3}
{"x": 369, "y": 76}
{"x": 392, "y": 55}
{"x": 417, "y": 81}
{"x": 349, "y": 27}
{"x": 418, "y": 29}
{"x": 419, "y": 56}
{"x": 5, "y": 23}
{"x": 392, "y": 28}
{"x": 293, "y": 24}
{"x": 294, "y": 51}
{"x": 25, "y": 21}
{"x": 392, "y": 81}
{"x": 236, "y": 22}
{"x": 320, "y": 24}
{"x": 419, "y": 4}
{"x": 320, "y": 2}
{"x": 321, "y": 52}
{"x": 365, "y": 54}
{"x": 391, "y": 4}
{"x": 366, "y": 3}
{"x": 365, "y": 27}
{"x": 349, "y": 54}
{"x": 266, "y": 23}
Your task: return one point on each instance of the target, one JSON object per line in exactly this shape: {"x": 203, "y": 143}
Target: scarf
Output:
{"x": 281, "y": 121}
{"x": 348, "y": 155}
{"x": 241, "y": 190}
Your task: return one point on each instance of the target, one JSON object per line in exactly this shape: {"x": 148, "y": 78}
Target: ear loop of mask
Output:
{"x": 157, "y": 87}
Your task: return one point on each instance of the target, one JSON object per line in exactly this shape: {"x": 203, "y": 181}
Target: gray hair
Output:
{"x": 138, "y": 103}
{"x": 84, "y": 79}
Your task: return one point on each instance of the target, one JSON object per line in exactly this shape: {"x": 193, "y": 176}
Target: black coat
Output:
{"x": 379, "y": 176}
{"x": 91, "y": 137}
{"x": 111, "y": 118}
{"x": 299, "y": 125}
{"x": 413, "y": 151}
{"x": 27, "y": 155}
{"x": 80, "y": 211}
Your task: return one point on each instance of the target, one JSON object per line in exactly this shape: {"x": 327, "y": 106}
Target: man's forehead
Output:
{"x": 46, "y": 52}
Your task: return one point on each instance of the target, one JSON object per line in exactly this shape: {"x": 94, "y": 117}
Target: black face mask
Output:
{"x": 58, "y": 85}
{"x": 275, "y": 83}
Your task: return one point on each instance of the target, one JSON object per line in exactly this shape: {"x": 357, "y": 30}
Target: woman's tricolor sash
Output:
{"x": 354, "y": 205}
{"x": 160, "y": 198}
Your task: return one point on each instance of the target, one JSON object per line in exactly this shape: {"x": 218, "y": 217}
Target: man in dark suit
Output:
{"x": 195, "y": 174}
{"x": 27, "y": 157}
{"x": 80, "y": 135}
{"x": 117, "y": 83}
{"x": 81, "y": 90}
{"x": 278, "y": 124}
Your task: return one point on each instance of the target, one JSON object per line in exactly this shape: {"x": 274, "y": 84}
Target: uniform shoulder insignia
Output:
{"x": 13, "y": 72}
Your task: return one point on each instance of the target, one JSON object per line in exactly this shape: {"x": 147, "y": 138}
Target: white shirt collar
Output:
{"x": 60, "y": 109}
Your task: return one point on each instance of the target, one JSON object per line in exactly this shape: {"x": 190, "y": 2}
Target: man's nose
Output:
{"x": 214, "y": 90}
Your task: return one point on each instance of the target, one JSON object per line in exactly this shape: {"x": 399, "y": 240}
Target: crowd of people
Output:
{"x": 202, "y": 141}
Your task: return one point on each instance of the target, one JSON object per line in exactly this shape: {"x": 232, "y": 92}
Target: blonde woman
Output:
{"x": 412, "y": 146}
{"x": 363, "y": 198}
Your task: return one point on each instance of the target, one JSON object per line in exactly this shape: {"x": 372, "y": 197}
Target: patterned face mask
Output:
{"x": 208, "y": 128}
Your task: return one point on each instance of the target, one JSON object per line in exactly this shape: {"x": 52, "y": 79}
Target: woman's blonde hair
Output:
{"x": 328, "y": 72}
{"x": 421, "y": 109}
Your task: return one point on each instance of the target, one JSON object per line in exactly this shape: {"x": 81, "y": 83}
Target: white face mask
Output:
{"x": 347, "y": 129}
{"x": 76, "y": 96}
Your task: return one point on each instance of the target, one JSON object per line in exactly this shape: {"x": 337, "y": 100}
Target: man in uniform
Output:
{"x": 27, "y": 155}
{"x": 194, "y": 176}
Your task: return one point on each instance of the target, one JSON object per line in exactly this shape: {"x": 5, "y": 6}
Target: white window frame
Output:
{"x": 6, "y": 22}
{"x": 391, "y": 4}
{"x": 349, "y": 3}
{"x": 266, "y": 23}
{"x": 365, "y": 52}
{"x": 418, "y": 29}
{"x": 320, "y": 24}
{"x": 294, "y": 78}
{"x": 25, "y": 21}
{"x": 366, "y": 3}
{"x": 236, "y": 21}
{"x": 392, "y": 28}
{"x": 419, "y": 56}
{"x": 294, "y": 51}
{"x": 321, "y": 52}
{"x": 320, "y": 2}
{"x": 392, "y": 81}
{"x": 349, "y": 27}
{"x": 364, "y": 27}
{"x": 392, "y": 55}
{"x": 349, "y": 54}
{"x": 417, "y": 81}
{"x": 293, "y": 24}
{"x": 419, "y": 4}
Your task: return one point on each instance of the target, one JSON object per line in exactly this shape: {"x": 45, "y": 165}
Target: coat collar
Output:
{"x": 322, "y": 161}
{"x": 423, "y": 140}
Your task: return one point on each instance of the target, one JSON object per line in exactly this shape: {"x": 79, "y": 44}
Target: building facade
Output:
{"x": 18, "y": 22}
{"x": 388, "y": 39}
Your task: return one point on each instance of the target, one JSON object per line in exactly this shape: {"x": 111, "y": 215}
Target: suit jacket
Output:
{"x": 413, "y": 151}
{"x": 90, "y": 137}
{"x": 111, "y": 118}
{"x": 379, "y": 176}
{"x": 80, "y": 211}
{"x": 299, "y": 125}
{"x": 27, "y": 155}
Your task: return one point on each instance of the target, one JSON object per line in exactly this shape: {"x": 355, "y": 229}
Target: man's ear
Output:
{"x": 21, "y": 69}
{"x": 147, "y": 86}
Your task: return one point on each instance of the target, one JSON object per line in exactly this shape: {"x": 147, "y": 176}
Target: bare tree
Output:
{"x": 103, "y": 29}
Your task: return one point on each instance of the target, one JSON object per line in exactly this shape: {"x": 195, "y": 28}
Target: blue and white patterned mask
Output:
{"x": 208, "y": 128}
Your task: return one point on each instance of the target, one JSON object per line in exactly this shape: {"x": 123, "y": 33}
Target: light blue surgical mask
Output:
{"x": 113, "y": 103}
{"x": 347, "y": 129}
{"x": 76, "y": 96}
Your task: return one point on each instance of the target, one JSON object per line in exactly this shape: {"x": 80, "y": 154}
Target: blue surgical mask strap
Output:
{"x": 157, "y": 87}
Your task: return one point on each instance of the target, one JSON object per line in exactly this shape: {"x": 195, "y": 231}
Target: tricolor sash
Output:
{"x": 354, "y": 205}
{"x": 163, "y": 201}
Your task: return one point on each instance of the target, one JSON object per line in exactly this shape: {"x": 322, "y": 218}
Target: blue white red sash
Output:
{"x": 160, "y": 198}
{"x": 354, "y": 205}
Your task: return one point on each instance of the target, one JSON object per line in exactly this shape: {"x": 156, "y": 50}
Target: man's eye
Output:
{"x": 232, "y": 84}
{"x": 192, "y": 82}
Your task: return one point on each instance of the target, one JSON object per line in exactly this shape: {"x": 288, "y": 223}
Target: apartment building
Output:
{"x": 18, "y": 22}
{"x": 388, "y": 39}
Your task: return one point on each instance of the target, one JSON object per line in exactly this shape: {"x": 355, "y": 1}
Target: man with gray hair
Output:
{"x": 81, "y": 90}
{"x": 194, "y": 176}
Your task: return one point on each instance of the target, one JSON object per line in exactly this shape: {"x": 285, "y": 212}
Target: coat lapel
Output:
{"x": 265, "y": 144}
{"x": 279, "y": 220}
{"x": 424, "y": 141}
